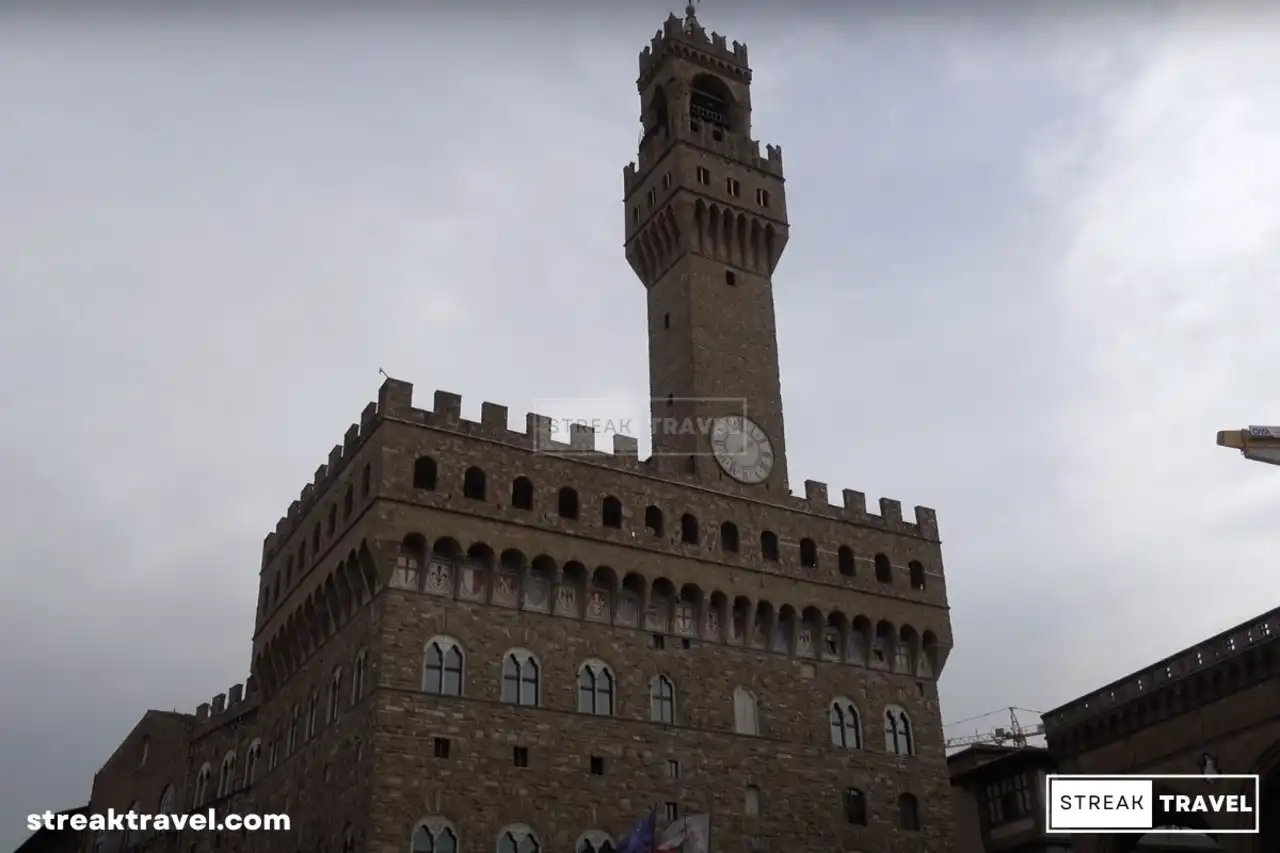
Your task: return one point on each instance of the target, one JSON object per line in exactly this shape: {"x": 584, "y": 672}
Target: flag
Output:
{"x": 690, "y": 834}
{"x": 641, "y": 838}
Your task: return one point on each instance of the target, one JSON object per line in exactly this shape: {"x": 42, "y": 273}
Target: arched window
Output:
{"x": 916, "y": 570}
{"x": 729, "y": 537}
{"x": 434, "y": 836}
{"x": 611, "y": 513}
{"x": 769, "y": 546}
{"x": 129, "y": 839}
{"x": 908, "y": 812}
{"x": 662, "y": 700}
{"x": 366, "y": 481}
{"x": 745, "y": 712}
{"x": 295, "y": 729}
{"x": 595, "y": 689}
{"x": 442, "y": 667}
{"x": 688, "y": 529}
{"x": 226, "y": 776}
{"x": 855, "y": 807}
{"x": 808, "y": 554}
{"x": 335, "y": 696}
{"x": 357, "y": 676}
{"x": 313, "y": 713}
{"x": 594, "y": 841}
{"x": 884, "y": 569}
{"x": 348, "y": 503}
{"x": 166, "y": 801}
{"x": 522, "y": 493}
{"x": 518, "y": 839}
{"x": 898, "y": 737}
{"x": 846, "y": 727}
{"x": 844, "y": 561}
{"x": 273, "y": 752}
{"x": 252, "y": 759}
{"x": 520, "y": 678}
{"x": 473, "y": 484}
{"x": 568, "y": 503}
{"x": 653, "y": 520}
{"x": 424, "y": 473}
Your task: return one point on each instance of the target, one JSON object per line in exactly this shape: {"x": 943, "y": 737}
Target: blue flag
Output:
{"x": 641, "y": 838}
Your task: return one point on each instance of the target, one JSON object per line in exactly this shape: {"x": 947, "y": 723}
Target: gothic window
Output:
{"x": 844, "y": 561}
{"x": 441, "y": 840}
{"x": 357, "y": 676}
{"x": 424, "y": 473}
{"x": 313, "y": 713}
{"x": 333, "y": 519}
{"x": 348, "y": 503}
{"x": 295, "y": 729}
{"x": 745, "y": 712}
{"x": 846, "y": 727}
{"x": 348, "y": 839}
{"x": 884, "y": 569}
{"x": 662, "y": 700}
{"x": 252, "y": 759}
{"x": 611, "y": 512}
{"x": 595, "y": 689}
{"x": 473, "y": 484}
{"x": 762, "y": 198}
{"x": 442, "y": 667}
{"x": 908, "y": 812}
{"x": 808, "y": 554}
{"x": 520, "y": 678}
{"x": 916, "y": 571}
{"x": 99, "y": 840}
{"x": 769, "y": 546}
{"x": 226, "y": 775}
{"x": 129, "y": 839}
{"x": 898, "y": 737}
{"x": 688, "y": 529}
{"x": 855, "y": 807}
{"x": 518, "y": 840}
{"x": 522, "y": 493}
{"x": 595, "y": 842}
{"x": 729, "y": 537}
{"x": 166, "y": 801}
{"x": 335, "y": 696}
{"x": 366, "y": 481}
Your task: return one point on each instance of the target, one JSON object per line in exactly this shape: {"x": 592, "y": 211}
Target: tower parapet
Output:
{"x": 688, "y": 38}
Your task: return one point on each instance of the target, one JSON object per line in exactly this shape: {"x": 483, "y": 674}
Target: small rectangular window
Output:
{"x": 673, "y": 812}
{"x": 673, "y": 769}
{"x": 666, "y": 181}
{"x": 442, "y": 747}
{"x": 635, "y": 214}
{"x": 762, "y": 198}
{"x": 704, "y": 176}
{"x": 520, "y": 756}
{"x": 597, "y": 765}
{"x": 730, "y": 278}
{"x": 659, "y": 641}
{"x": 695, "y": 127}
{"x": 666, "y": 321}
{"x": 653, "y": 197}
{"x": 732, "y": 185}
{"x": 686, "y": 643}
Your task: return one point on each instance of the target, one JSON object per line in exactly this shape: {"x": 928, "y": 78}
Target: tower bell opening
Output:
{"x": 710, "y": 101}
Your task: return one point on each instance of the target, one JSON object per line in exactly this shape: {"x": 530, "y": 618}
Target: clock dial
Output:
{"x": 742, "y": 449}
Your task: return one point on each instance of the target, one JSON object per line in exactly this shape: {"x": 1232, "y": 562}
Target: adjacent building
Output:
{"x": 473, "y": 638}
{"x": 1000, "y": 800}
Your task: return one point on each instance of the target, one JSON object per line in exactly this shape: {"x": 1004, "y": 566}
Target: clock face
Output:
{"x": 742, "y": 449}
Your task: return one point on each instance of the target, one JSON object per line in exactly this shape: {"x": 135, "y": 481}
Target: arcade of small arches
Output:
{"x": 437, "y": 835}
{"x": 568, "y": 506}
{"x": 350, "y": 586}
{"x": 542, "y": 586}
{"x": 444, "y": 673}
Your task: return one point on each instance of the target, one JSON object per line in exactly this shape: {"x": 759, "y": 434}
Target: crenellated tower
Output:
{"x": 706, "y": 223}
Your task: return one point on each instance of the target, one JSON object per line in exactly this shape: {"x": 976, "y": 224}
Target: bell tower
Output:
{"x": 706, "y": 223}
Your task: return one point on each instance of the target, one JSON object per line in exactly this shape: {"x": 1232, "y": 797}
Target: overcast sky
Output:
{"x": 1033, "y": 269}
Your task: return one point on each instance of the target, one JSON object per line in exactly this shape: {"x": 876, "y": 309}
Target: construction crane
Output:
{"x": 1255, "y": 443}
{"x": 1015, "y": 735}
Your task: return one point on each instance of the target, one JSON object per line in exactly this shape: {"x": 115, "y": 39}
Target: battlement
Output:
{"x": 227, "y": 705}
{"x": 741, "y": 150}
{"x": 675, "y": 35}
{"x": 542, "y": 433}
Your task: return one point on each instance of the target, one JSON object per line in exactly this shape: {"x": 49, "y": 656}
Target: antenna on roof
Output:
{"x": 384, "y": 373}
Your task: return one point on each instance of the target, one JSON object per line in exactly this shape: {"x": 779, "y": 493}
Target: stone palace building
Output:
{"x": 473, "y": 639}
